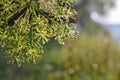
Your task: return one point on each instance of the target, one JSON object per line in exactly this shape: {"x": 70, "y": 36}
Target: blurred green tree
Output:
{"x": 93, "y": 56}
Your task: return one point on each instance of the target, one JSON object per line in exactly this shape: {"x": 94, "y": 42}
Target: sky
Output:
{"x": 111, "y": 20}
{"x": 111, "y": 17}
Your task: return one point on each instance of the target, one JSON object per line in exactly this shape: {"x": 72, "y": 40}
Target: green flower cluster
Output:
{"x": 25, "y": 26}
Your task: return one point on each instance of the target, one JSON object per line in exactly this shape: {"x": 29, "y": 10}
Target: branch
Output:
{"x": 16, "y": 16}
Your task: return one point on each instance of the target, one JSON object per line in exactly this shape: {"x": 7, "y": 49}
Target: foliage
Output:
{"x": 25, "y": 26}
{"x": 90, "y": 57}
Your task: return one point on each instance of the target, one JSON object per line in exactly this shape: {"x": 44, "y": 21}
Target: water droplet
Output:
{"x": 62, "y": 43}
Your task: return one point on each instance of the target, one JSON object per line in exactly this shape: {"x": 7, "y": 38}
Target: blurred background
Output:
{"x": 94, "y": 55}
